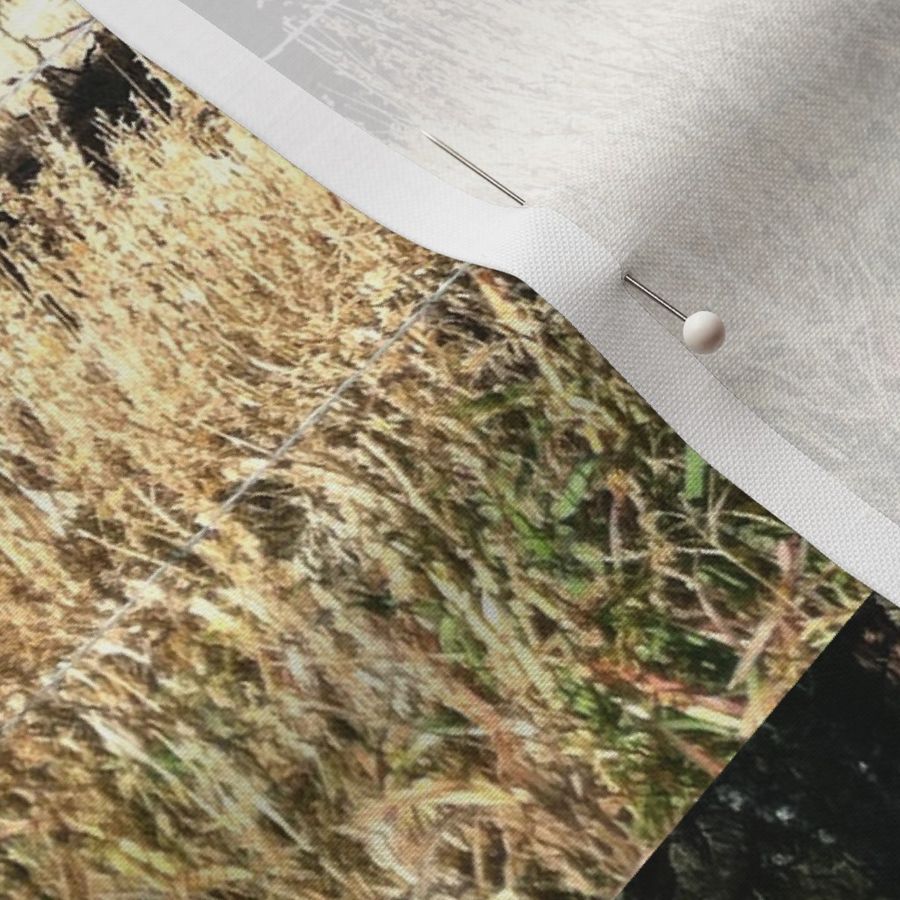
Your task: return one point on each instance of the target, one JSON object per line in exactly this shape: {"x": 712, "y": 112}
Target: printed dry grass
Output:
{"x": 486, "y": 632}
{"x": 150, "y": 354}
{"x": 31, "y": 33}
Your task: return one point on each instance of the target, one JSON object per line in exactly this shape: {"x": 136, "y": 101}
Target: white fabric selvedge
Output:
{"x": 796, "y": 468}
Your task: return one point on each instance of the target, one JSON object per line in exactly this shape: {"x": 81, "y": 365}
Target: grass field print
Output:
{"x": 330, "y": 567}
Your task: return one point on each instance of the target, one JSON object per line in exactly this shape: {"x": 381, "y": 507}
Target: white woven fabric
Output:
{"x": 741, "y": 157}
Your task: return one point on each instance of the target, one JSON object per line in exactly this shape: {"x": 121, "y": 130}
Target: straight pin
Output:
{"x": 655, "y": 297}
{"x": 702, "y": 331}
{"x": 470, "y": 165}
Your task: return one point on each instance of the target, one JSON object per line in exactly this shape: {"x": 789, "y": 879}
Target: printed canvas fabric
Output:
{"x": 735, "y": 158}
{"x": 738, "y": 158}
{"x": 331, "y": 567}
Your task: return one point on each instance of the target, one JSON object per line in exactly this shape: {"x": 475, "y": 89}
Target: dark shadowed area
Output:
{"x": 810, "y": 807}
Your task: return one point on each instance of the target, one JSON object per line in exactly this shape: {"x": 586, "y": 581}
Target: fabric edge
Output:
{"x": 540, "y": 247}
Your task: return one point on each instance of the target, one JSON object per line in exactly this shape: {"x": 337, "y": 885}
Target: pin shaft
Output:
{"x": 655, "y": 297}
{"x": 629, "y": 279}
{"x": 470, "y": 165}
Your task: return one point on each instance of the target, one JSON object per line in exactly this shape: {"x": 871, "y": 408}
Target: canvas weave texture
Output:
{"x": 330, "y": 567}
{"x": 734, "y": 157}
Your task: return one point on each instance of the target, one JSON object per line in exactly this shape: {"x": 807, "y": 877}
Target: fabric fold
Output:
{"x": 797, "y": 408}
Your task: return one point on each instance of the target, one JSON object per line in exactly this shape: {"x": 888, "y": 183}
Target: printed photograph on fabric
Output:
{"x": 331, "y": 567}
{"x": 809, "y": 807}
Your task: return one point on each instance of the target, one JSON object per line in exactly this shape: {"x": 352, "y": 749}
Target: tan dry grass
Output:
{"x": 31, "y": 34}
{"x": 382, "y": 684}
{"x": 173, "y": 331}
{"x": 486, "y": 632}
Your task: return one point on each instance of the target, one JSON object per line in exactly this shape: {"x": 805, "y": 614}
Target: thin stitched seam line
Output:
{"x": 67, "y": 665}
{"x": 78, "y": 33}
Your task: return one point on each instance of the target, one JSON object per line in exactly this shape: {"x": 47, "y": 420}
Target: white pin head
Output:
{"x": 703, "y": 332}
